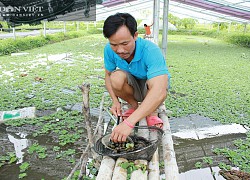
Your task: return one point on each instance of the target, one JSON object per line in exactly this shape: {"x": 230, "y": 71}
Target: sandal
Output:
{"x": 154, "y": 120}
{"x": 127, "y": 113}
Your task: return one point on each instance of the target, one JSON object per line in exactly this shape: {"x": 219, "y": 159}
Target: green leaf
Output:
{"x": 124, "y": 165}
{"x": 42, "y": 155}
{"x": 144, "y": 168}
{"x": 208, "y": 160}
{"x": 22, "y": 175}
{"x": 1, "y": 164}
{"x": 130, "y": 170}
{"x": 56, "y": 148}
{"x": 24, "y": 166}
{"x": 198, "y": 164}
{"x": 13, "y": 159}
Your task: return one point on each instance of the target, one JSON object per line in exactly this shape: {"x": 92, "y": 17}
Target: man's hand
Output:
{"x": 116, "y": 109}
{"x": 120, "y": 133}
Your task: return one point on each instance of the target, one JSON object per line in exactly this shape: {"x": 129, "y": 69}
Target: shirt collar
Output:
{"x": 138, "y": 49}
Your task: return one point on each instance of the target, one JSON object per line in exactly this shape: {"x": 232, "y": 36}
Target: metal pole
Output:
{"x": 165, "y": 28}
{"x": 245, "y": 28}
{"x": 44, "y": 28}
{"x": 229, "y": 27}
{"x": 77, "y": 26}
{"x": 14, "y": 33}
{"x": 156, "y": 21}
{"x": 64, "y": 27}
{"x": 218, "y": 27}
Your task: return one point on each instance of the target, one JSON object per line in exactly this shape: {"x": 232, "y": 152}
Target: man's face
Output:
{"x": 123, "y": 43}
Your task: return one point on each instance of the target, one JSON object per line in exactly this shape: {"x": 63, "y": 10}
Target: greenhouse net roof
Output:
{"x": 207, "y": 10}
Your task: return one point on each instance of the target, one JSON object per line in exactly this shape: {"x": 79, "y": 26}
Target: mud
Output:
{"x": 235, "y": 175}
{"x": 18, "y": 140}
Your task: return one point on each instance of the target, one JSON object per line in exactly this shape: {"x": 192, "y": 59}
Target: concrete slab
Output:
{"x": 195, "y": 137}
{"x": 200, "y": 127}
{"x": 192, "y": 121}
{"x": 202, "y": 174}
{"x": 93, "y": 111}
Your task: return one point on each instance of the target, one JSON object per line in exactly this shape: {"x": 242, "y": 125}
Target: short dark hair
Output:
{"x": 145, "y": 25}
{"x": 114, "y": 22}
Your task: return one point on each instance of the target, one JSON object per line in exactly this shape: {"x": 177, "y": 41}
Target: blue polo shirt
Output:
{"x": 148, "y": 61}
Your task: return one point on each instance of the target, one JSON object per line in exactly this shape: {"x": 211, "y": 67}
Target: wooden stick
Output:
{"x": 99, "y": 130}
{"x": 86, "y": 112}
{"x": 75, "y": 168}
{"x": 83, "y": 165}
{"x": 171, "y": 168}
{"x": 79, "y": 163}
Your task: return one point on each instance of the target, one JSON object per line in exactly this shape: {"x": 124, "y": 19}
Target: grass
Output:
{"x": 209, "y": 77}
{"x": 56, "y": 76}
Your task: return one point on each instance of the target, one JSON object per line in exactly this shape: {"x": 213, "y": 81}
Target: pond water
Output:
{"x": 196, "y": 137}
{"x": 188, "y": 152}
{"x": 50, "y": 168}
{"x": 188, "y": 149}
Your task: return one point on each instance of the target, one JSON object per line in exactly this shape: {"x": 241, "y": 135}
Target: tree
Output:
{"x": 222, "y": 25}
{"x": 174, "y": 20}
{"x": 188, "y": 23}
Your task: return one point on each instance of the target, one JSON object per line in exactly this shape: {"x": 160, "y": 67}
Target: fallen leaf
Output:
{"x": 38, "y": 78}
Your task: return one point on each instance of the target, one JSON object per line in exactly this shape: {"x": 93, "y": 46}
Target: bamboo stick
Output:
{"x": 139, "y": 174}
{"x": 119, "y": 173}
{"x": 154, "y": 171}
{"x": 106, "y": 169}
{"x": 153, "y": 167}
{"x": 170, "y": 165}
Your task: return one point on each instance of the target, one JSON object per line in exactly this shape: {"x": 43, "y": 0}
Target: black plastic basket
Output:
{"x": 146, "y": 153}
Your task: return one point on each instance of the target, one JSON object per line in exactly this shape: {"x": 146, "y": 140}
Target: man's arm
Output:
{"x": 116, "y": 107}
{"x": 157, "y": 92}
